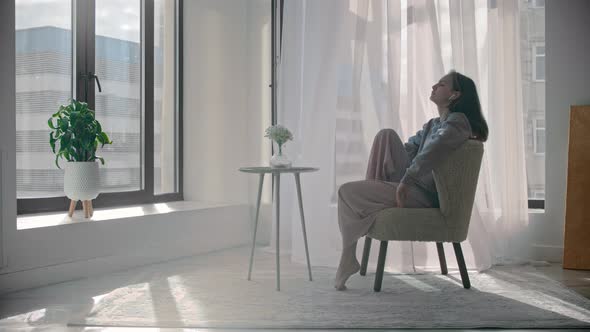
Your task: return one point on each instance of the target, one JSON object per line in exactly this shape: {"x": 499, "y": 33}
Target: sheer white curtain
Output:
{"x": 350, "y": 68}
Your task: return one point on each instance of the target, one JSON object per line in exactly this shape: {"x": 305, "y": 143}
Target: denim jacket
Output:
{"x": 437, "y": 139}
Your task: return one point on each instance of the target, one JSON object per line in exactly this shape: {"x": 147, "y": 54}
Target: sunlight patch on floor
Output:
{"x": 567, "y": 309}
{"x": 29, "y": 317}
{"x": 416, "y": 283}
{"x": 182, "y": 295}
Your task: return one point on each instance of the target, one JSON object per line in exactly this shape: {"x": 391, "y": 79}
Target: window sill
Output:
{"x": 536, "y": 211}
{"x": 49, "y": 219}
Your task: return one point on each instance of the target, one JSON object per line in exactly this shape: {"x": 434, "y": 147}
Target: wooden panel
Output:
{"x": 576, "y": 253}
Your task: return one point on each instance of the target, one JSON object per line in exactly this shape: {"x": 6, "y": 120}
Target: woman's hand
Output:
{"x": 401, "y": 194}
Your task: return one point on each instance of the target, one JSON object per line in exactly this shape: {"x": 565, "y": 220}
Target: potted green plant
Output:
{"x": 75, "y": 136}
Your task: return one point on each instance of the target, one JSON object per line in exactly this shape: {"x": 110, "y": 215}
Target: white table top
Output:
{"x": 268, "y": 169}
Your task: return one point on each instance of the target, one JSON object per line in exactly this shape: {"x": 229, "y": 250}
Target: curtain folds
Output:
{"x": 351, "y": 68}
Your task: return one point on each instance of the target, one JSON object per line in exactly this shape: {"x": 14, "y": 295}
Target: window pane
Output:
{"x": 540, "y": 70}
{"x": 43, "y": 83}
{"x": 533, "y": 75}
{"x": 118, "y": 106}
{"x": 540, "y": 141}
{"x": 165, "y": 110}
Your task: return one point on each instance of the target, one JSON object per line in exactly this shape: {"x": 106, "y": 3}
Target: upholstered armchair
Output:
{"x": 456, "y": 182}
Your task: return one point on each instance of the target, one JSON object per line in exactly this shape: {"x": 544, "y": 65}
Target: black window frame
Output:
{"x": 83, "y": 24}
{"x": 536, "y": 204}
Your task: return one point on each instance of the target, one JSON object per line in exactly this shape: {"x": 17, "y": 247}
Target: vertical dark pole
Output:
{"x": 179, "y": 96}
{"x": 147, "y": 73}
{"x": 273, "y": 71}
{"x": 90, "y": 52}
{"x": 81, "y": 37}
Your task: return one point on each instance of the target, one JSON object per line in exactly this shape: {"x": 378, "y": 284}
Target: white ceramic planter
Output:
{"x": 81, "y": 180}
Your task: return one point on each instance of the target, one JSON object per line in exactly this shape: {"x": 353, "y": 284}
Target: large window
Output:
{"x": 64, "y": 49}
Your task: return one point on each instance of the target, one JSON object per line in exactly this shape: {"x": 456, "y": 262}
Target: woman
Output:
{"x": 400, "y": 175}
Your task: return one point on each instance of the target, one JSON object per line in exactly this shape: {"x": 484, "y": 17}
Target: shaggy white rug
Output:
{"x": 212, "y": 291}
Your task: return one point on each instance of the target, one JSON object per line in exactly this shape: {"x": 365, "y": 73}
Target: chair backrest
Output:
{"x": 456, "y": 182}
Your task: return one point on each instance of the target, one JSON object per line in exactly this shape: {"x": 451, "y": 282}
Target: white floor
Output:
{"x": 49, "y": 308}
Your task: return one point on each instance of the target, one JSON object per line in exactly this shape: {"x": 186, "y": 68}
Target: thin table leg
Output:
{"x": 298, "y": 183}
{"x": 255, "y": 224}
{"x": 278, "y": 201}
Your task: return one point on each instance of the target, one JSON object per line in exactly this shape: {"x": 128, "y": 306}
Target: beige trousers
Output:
{"x": 360, "y": 201}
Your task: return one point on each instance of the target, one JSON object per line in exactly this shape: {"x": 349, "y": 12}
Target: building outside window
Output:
{"x": 539, "y": 63}
{"x": 532, "y": 25}
{"x": 538, "y": 4}
{"x": 539, "y": 136}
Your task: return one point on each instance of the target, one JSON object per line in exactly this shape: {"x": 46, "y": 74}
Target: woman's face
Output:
{"x": 442, "y": 91}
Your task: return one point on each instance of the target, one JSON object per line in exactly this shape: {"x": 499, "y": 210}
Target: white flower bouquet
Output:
{"x": 279, "y": 134}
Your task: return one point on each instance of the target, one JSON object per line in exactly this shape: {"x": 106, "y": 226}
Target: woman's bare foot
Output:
{"x": 341, "y": 287}
{"x": 344, "y": 272}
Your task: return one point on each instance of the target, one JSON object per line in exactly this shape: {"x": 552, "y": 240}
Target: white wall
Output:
{"x": 568, "y": 83}
{"x": 227, "y": 101}
{"x": 224, "y": 117}
{"x": 41, "y": 256}
{"x": 223, "y": 95}
{"x": 259, "y": 103}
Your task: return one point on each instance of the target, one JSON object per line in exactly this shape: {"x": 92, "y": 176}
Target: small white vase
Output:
{"x": 280, "y": 160}
{"x": 81, "y": 180}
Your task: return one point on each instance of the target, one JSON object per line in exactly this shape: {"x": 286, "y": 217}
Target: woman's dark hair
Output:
{"x": 468, "y": 104}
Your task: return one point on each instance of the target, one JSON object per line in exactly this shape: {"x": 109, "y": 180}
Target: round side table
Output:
{"x": 276, "y": 173}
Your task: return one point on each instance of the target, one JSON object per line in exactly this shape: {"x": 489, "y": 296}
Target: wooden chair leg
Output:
{"x": 91, "y": 208}
{"x": 380, "y": 266}
{"x": 72, "y": 207}
{"x": 365, "y": 260}
{"x": 85, "y": 207}
{"x": 462, "y": 266}
{"x": 441, "y": 258}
